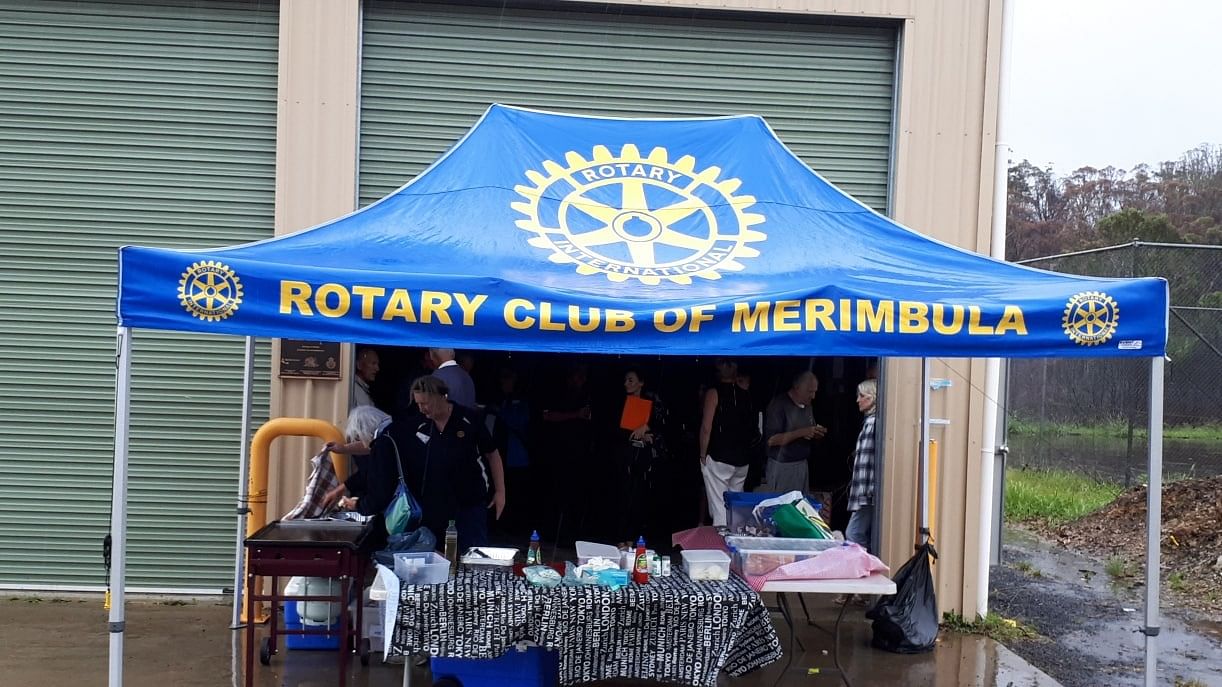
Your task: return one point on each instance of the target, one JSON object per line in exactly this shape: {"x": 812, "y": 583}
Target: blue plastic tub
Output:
{"x": 532, "y": 667}
{"x": 292, "y": 621}
{"x": 739, "y": 505}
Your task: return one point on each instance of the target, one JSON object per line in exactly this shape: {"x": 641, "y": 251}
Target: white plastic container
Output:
{"x": 587, "y": 550}
{"x": 762, "y": 555}
{"x": 706, "y": 564}
{"x": 491, "y": 556}
{"x": 422, "y": 568}
{"x": 314, "y": 612}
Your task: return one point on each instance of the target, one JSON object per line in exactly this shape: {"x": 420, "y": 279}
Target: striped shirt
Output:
{"x": 861, "y": 488}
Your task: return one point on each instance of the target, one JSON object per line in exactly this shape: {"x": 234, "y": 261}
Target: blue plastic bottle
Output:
{"x": 533, "y": 556}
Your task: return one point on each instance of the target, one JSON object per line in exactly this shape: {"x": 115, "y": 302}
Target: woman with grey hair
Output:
{"x": 369, "y": 489}
{"x": 861, "y": 489}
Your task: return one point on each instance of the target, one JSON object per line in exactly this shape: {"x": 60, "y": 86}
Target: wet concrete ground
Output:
{"x": 64, "y": 642}
{"x": 1095, "y": 623}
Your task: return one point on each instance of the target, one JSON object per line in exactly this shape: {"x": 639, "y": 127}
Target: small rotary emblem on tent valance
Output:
{"x": 1090, "y": 318}
{"x": 210, "y": 290}
{"x": 644, "y": 218}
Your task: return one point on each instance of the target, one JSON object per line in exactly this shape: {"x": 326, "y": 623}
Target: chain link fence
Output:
{"x": 1090, "y": 415}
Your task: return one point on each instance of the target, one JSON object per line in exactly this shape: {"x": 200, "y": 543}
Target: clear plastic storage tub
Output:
{"x": 706, "y": 564}
{"x": 422, "y": 568}
{"x": 762, "y": 555}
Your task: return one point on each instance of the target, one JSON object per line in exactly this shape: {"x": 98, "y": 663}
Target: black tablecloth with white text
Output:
{"x": 673, "y": 629}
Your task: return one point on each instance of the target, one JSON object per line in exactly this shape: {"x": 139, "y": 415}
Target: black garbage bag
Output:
{"x": 907, "y": 622}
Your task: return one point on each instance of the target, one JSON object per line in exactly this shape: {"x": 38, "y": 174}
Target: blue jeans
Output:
{"x": 861, "y": 527}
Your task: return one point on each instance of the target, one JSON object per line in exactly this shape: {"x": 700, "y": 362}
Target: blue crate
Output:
{"x": 533, "y": 667}
{"x": 292, "y": 621}
{"x": 739, "y": 505}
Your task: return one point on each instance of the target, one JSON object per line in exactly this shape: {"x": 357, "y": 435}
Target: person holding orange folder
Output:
{"x": 640, "y": 429}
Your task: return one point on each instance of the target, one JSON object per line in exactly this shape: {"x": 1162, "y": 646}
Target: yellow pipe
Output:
{"x": 260, "y": 457}
{"x": 933, "y": 486}
{"x": 260, "y": 452}
{"x": 933, "y": 494}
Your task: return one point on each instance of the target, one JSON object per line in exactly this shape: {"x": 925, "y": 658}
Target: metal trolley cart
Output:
{"x": 307, "y": 549}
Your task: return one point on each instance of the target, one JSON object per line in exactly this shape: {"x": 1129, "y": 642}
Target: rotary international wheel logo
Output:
{"x": 1090, "y": 318}
{"x": 210, "y": 290}
{"x": 644, "y": 218}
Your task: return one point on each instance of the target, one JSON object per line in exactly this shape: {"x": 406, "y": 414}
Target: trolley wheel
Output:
{"x": 363, "y": 652}
{"x": 265, "y": 651}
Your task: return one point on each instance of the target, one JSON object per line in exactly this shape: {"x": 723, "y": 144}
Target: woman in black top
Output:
{"x": 728, "y": 430}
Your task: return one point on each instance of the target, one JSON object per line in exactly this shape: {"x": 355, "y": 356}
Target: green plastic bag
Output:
{"x": 790, "y": 522}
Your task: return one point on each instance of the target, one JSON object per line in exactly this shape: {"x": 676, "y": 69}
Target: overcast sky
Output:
{"x": 1113, "y": 82}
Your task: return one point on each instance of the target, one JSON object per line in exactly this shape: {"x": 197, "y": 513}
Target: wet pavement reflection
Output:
{"x": 64, "y": 642}
{"x": 1094, "y": 621}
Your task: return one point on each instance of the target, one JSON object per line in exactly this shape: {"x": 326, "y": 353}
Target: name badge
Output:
{"x": 424, "y": 438}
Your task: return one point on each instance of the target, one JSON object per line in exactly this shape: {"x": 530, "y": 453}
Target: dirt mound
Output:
{"x": 1191, "y": 536}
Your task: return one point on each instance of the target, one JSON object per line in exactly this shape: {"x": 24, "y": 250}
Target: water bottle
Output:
{"x": 533, "y": 556}
{"x": 452, "y": 546}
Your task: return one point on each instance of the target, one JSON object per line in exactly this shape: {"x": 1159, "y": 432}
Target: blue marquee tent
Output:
{"x": 696, "y": 236}
{"x": 551, "y": 232}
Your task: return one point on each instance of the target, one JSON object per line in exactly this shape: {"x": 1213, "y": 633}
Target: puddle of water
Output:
{"x": 1076, "y": 605}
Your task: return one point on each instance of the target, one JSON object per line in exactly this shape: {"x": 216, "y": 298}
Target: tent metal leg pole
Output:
{"x": 239, "y": 557}
{"x": 1154, "y": 519}
{"x": 924, "y": 538}
{"x": 988, "y": 458}
{"x": 118, "y": 505}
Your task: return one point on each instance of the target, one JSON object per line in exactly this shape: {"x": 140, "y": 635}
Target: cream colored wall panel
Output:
{"x": 316, "y": 143}
{"x": 317, "y": 114}
{"x": 290, "y": 456}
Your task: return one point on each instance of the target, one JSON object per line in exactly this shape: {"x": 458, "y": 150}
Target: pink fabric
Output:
{"x": 847, "y": 562}
{"x": 699, "y": 538}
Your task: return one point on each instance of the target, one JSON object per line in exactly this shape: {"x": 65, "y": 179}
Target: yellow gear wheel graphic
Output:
{"x": 633, "y": 217}
{"x": 1090, "y": 318}
{"x": 210, "y": 290}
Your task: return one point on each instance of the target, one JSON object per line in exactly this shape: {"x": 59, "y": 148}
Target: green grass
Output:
{"x": 1118, "y": 568}
{"x": 991, "y": 625}
{"x": 1176, "y": 581}
{"x": 1115, "y": 428}
{"x": 1027, "y": 569}
{"x": 1055, "y": 497}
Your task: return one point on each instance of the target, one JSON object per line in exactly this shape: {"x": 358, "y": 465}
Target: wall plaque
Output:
{"x": 310, "y": 359}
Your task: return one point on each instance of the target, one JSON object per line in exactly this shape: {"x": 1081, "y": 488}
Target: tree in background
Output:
{"x": 1179, "y": 202}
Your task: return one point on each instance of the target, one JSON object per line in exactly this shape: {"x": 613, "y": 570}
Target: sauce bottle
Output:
{"x": 640, "y": 569}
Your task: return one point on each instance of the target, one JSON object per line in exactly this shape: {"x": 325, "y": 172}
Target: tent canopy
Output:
{"x": 542, "y": 231}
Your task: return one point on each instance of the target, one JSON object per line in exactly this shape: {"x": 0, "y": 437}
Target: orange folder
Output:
{"x": 636, "y": 412}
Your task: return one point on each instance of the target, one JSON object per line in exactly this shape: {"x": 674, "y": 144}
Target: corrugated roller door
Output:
{"x": 429, "y": 71}
{"x": 124, "y": 123}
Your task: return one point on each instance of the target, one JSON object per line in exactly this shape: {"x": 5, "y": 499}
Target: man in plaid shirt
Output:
{"x": 861, "y": 489}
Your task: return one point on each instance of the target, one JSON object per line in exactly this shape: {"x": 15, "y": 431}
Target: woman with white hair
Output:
{"x": 861, "y": 489}
{"x": 369, "y": 489}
